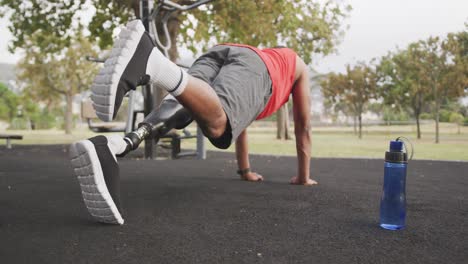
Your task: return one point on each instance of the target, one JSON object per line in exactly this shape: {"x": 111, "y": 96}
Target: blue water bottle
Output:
{"x": 393, "y": 202}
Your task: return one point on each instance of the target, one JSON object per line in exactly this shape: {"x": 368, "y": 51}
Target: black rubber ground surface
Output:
{"x": 189, "y": 211}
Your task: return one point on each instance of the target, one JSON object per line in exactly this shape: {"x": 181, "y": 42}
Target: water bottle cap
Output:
{"x": 396, "y": 153}
{"x": 396, "y": 146}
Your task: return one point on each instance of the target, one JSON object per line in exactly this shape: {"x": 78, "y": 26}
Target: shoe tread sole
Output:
{"x": 87, "y": 168}
{"x": 104, "y": 87}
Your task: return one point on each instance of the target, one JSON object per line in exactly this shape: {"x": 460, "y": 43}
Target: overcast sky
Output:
{"x": 376, "y": 26}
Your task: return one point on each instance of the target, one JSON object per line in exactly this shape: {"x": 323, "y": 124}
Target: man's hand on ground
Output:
{"x": 252, "y": 176}
{"x": 298, "y": 181}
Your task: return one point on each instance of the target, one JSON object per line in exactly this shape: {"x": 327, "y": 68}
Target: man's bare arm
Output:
{"x": 242, "y": 155}
{"x": 301, "y": 111}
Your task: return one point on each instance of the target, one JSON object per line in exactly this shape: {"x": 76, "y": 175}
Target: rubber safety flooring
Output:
{"x": 192, "y": 211}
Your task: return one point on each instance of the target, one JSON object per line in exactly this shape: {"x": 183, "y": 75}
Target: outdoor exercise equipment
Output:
{"x": 158, "y": 122}
{"x": 89, "y": 114}
{"x": 170, "y": 114}
{"x": 149, "y": 21}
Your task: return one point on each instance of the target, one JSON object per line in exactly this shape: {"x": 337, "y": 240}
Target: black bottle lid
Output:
{"x": 395, "y": 153}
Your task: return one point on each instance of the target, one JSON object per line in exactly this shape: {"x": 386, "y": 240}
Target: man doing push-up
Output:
{"x": 225, "y": 90}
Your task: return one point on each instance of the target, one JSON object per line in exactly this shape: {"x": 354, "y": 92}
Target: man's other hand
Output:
{"x": 252, "y": 176}
{"x": 298, "y": 181}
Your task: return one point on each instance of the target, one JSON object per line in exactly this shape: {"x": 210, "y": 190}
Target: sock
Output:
{"x": 116, "y": 144}
{"x": 166, "y": 74}
{"x": 169, "y": 97}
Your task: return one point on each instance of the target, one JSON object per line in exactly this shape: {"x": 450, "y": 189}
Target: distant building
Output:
{"x": 316, "y": 100}
{"x": 8, "y": 76}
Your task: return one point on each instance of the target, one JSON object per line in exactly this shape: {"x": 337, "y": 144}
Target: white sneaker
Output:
{"x": 96, "y": 167}
{"x": 123, "y": 71}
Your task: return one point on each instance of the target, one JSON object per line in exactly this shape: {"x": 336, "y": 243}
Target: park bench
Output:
{"x": 172, "y": 140}
{"x": 9, "y": 138}
{"x": 89, "y": 114}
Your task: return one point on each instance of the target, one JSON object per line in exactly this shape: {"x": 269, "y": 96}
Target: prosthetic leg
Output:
{"x": 170, "y": 114}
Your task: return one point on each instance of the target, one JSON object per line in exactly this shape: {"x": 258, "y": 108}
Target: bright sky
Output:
{"x": 376, "y": 26}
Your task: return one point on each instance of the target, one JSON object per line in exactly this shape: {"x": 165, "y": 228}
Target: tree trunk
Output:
{"x": 136, "y": 8}
{"x": 279, "y": 124}
{"x": 417, "y": 106}
{"x": 68, "y": 113}
{"x": 437, "y": 117}
{"x": 360, "y": 125}
{"x": 287, "y": 135}
{"x": 355, "y": 124}
{"x": 418, "y": 126}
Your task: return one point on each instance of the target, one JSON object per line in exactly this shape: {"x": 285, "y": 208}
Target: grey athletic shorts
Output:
{"x": 242, "y": 83}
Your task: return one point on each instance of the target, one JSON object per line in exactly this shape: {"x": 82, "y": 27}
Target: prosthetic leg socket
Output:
{"x": 170, "y": 114}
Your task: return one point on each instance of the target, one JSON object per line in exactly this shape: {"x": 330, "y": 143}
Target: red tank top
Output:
{"x": 281, "y": 65}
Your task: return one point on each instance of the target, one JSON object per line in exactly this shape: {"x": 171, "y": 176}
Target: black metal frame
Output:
{"x": 149, "y": 104}
{"x": 171, "y": 7}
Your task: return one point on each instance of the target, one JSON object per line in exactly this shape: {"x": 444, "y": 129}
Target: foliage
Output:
{"x": 392, "y": 114}
{"x": 400, "y": 82}
{"x": 429, "y": 73}
{"x": 456, "y": 118}
{"x": 51, "y": 77}
{"x": 352, "y": 91}
{"x": 309, "y": 27}
{"x": 444, "y": 115}
{"x": 426, "y": 116}
{"x": 29, "y": 115}
{"x": 60, "y": 77}
{"x": 39, "y": 120}
{"x": 8, "y": 103}
{"x": 51, "y": 35}
{"x": 306, "y": 26}
{"x": 53, "y": 22}
{"x": 463, "y": 109}
{"x": 110, "y": 15}
{"x": 445, "y": 69}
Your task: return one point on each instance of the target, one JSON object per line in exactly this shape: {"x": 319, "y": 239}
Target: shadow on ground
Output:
{"x": 190, "y": 211}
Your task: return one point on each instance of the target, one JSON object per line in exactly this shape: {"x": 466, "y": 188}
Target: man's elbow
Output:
{"x": 301, "y": 69}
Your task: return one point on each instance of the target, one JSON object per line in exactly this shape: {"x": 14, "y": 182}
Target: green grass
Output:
{"x": 340, "y": 142}
{"x": 326, "y": 141}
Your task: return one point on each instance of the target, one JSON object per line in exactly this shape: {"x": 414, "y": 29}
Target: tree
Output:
{"x": 310, "y": 27}
{"x": 50, "y": 33}
{"x": 457, "y": 119}
{"x": 401, "y": 82}
{"x": 353, "y": 89}
{"x": 336, "y": 107}
{"x": 445, "y": 70}
{"x": 306, "y": 26}
{"x": 54, "y": 23}
{"x": 50, "y": 77}
{"x": 428, "y": 71}
{"x": 8, "y": 103}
